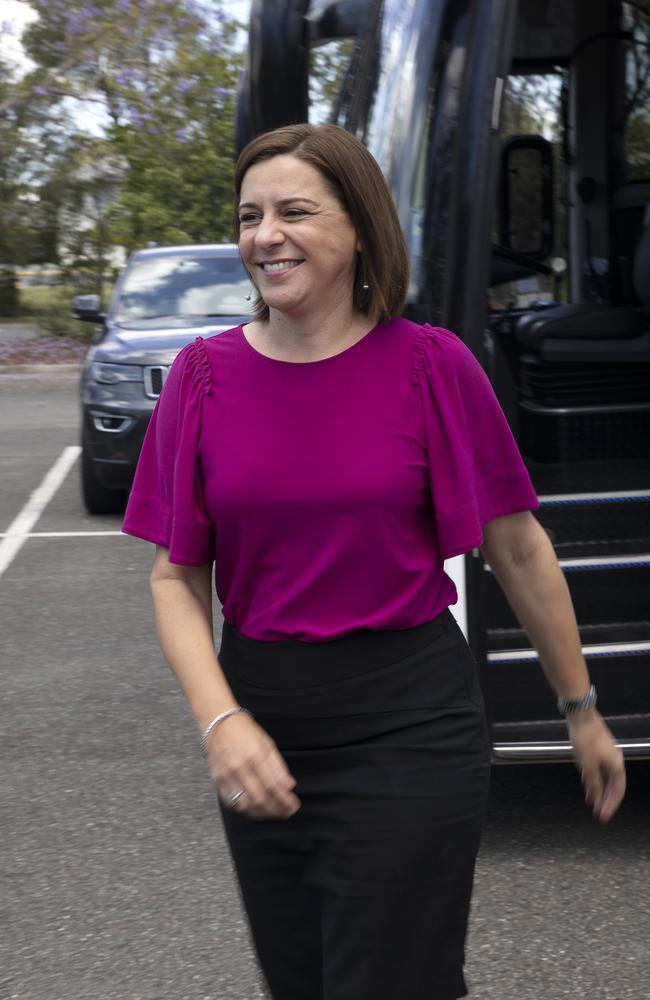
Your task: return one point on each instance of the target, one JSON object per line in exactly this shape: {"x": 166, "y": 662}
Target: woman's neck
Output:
{"x": 313, "y": 338}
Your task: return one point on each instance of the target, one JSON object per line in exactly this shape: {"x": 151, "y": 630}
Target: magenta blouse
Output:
{"x": 328, "y": 493}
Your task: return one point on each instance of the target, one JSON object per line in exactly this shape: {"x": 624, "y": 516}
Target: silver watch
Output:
{"x": 568, "y": 706}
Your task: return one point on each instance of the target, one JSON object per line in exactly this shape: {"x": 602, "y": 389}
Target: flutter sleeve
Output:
{"x": 166, "y": 505}
{"x": 476, "y": 470}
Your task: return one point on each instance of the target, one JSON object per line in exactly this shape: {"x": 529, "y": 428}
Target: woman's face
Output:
{"x": 296, "y": 240}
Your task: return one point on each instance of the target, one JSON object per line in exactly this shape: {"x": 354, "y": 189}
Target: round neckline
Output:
{"x": 306, "y": 364}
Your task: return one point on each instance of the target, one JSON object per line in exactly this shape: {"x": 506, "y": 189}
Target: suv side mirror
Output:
{"x": 526, "y": 196}
{"x": 88, "y": 308}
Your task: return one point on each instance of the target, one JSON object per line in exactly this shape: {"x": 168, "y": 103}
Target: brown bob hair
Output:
{"x": 356, "y": 180}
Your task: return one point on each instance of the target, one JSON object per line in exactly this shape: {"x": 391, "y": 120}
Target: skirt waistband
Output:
{"x": 288, "y": 662}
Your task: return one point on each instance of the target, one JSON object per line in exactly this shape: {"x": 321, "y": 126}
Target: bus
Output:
{"x": 515, "y": 137}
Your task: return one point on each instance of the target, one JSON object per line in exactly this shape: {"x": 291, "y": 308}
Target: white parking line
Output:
{"x": 18, "y": 531}
{"x": 69, "y": 534}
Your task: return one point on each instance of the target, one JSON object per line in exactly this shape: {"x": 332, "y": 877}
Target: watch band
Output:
{"x": 568, "y": 706}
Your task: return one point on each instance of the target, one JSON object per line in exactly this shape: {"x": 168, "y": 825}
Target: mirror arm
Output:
{"x": 90, "y": 317}
{"x": 521, "y": 258}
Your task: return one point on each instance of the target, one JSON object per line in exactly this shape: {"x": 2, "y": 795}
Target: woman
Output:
{"x": 329, "y": 457}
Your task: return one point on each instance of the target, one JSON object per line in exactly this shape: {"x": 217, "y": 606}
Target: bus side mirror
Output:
{"x": 526, "y": 196}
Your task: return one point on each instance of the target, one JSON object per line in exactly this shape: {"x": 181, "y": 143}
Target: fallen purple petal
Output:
{"x": 43, "y": 350}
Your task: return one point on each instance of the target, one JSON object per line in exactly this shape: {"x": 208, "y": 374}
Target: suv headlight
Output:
{"x": 110, "y": 374}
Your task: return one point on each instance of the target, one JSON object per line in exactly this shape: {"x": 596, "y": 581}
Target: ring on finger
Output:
{"x": 234, "y": 797}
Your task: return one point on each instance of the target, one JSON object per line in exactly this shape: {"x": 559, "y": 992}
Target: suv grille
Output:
{"x": 154, "y": 379}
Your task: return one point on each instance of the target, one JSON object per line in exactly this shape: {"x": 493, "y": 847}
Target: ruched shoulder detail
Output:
{"x": 475, "y": 468}
{"x": 166, "y": 504}
{"x": 420, "y": 347}
{"x": 199, "y": 365}
{"x": 429, "y": 341}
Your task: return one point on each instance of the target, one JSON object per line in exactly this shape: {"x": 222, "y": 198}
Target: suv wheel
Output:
{"x": 96, "y": 497}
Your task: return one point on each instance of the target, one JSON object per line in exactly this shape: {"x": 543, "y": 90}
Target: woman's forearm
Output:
{"x": 539, "y": 596}
{"x": 184, "y": 625}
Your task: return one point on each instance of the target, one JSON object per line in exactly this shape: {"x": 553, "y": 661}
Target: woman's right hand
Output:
{"x": 242, "y": 756}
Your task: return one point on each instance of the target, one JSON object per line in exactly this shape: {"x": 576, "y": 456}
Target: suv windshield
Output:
{"x": 183, "y": 286}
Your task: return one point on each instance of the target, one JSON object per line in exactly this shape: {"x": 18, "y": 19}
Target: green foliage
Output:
{"x": 164, "y": 72}
{"x": 51, "y": 309}
{"x": 531, "y": 105}
{"x": 9, "y": 299}
{"x": 181, "y": 164}
{"x": 33, "y": 151}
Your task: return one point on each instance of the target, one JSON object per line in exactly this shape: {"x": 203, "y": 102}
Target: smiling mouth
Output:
{"x": 280, "y": 265}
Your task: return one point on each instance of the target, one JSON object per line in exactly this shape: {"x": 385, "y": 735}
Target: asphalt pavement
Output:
{"x": 116, "y": 879}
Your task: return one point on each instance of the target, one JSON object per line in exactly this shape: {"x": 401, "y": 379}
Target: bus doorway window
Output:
{"x": 636, "y": 130}
{"x": 329, "y": 68}
{"x": 532, "y": 106}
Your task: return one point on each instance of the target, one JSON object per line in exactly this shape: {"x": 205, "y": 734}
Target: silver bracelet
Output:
{"x": 215, "y": 722}
{"x": 569, "y": 706}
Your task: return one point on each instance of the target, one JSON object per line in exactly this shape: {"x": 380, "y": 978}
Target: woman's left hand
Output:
{"x": 599, "y": 761}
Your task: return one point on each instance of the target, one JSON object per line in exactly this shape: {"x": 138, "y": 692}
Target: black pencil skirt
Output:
{"x": 364, "y": 893}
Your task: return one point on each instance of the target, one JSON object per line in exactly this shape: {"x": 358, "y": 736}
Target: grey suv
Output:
{"x": 164, "y": 298}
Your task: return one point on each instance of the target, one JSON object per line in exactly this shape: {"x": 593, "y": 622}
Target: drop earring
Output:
{"x": 364, "y": 283}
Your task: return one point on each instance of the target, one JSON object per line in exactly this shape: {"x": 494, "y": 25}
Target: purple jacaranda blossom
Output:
{"x": 127, "y": 76}
{"x": 40, "y": 91}
{"x": 194, "y": 9}
{"x": 220, "y": 15}
{"x": 216, "y": 45}
{"x": 73, "y": 24}
{"x": 135, "y": 118}
{"x": 182, "y": 135}
{"x": 184, "y": 84}
{"x": 47, "y": 350}
{"x": 7, "y": 28}
{"x": 222, "y": 93}
{"x": 124, "y": 6}
{"x": 124, "y": 77}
